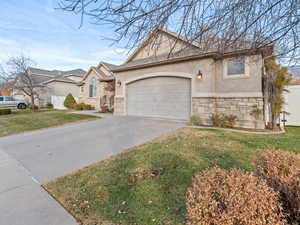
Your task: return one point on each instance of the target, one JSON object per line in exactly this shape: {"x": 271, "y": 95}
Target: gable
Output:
{"x": 158, "y": 43}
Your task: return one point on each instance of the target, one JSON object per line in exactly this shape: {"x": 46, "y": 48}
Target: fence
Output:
{"x": 293, "y": 105}
{"x": 58, "y": 101}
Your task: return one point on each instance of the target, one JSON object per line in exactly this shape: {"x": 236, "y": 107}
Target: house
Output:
{"x": 6, "y": 89}
{"x": 97, "y": 86}
{"x": 158, "y": 82}
{"x": 52, "y": 83}
{"x": 292, "y": 98}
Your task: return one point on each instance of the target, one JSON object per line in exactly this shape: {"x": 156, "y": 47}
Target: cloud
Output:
{"x": 51, "y": 37}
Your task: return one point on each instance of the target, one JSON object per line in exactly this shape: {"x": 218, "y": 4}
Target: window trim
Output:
{"x": 235, "y": 76}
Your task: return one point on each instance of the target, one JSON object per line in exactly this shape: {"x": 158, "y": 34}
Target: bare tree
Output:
{"x": 211, "y": 23}
{"x": 18, "y": 72}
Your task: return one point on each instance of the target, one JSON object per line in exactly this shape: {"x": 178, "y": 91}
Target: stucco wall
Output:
{"x": 166, "y": 44}
{"x": 62, "y": 89}
{"x": 213, "y": 82}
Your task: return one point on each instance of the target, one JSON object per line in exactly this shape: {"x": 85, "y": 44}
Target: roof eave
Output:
{"x": 214, "y": 55}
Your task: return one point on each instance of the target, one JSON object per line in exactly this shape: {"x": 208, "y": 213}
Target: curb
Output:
{"x": 238, "y": 131}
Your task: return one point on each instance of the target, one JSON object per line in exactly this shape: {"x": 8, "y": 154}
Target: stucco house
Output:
{"x": 97, "y": 86}
{"x": 52, "y": 83}
{"x": 190, "y": 81}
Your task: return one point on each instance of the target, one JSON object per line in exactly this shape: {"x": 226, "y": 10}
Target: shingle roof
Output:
{"x": 109, "y": 65}
{"x": 41, "y": 76}
{"x": 54, "y": 73}
{"x": 104, "y": 77}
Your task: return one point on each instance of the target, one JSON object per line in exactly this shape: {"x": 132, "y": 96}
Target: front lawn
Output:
{"x": 147, "y": 185}
{"x": 21, "y": 121}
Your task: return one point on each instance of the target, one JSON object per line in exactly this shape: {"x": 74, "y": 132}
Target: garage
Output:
{"x": 163, "y": 97}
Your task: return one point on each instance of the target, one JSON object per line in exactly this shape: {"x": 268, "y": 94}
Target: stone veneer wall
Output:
{"x": 119, "y": 106}
{"x": 241, "y": 107}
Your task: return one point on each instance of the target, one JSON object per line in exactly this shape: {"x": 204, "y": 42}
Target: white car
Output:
{"x": 10, "y": 102}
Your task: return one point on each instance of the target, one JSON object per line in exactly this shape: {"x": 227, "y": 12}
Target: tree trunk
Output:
{"x": 32, "y": 103}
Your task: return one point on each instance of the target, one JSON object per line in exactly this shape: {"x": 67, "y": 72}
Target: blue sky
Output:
{"x": 52, "y": 38}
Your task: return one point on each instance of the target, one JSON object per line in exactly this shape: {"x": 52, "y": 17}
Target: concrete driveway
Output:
{"x": 30, "y": 159}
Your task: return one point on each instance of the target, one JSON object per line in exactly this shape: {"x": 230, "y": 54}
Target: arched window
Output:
{"x": 93, "y": 87}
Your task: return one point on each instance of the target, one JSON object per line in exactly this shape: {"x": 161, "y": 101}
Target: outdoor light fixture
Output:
{"x": 119, "y": 83}
{"x": 199, "y": 75}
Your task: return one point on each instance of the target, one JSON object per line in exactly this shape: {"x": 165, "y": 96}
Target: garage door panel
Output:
{"x": 167, "y": 97}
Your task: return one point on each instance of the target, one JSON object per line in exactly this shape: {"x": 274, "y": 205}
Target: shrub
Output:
{"x": 5, "y": 111}
{"x": 282, "y": 172}
{"x": 69, "y": 101}
{"x": 104, "y": 109}
{"x": 78, "y": 106}
{"x": 195, "y": 120}
{"x": 218, "y": 197}
{"x": 230, "y": 120}
{"x": 217, "y": 120}
{"x": 49, "y": 106}
{"x": 222, "y": 120}
{"x": 87, "y": 107}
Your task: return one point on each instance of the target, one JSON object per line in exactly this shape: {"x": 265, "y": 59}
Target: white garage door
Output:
{"x": 165, "y": 97}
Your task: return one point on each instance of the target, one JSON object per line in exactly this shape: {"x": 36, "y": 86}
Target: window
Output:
{"x": 93, "y": 87}
{"x": 9, "y": 99}
{"x": 1, "y": 99}
{"x": 236, "y": 66}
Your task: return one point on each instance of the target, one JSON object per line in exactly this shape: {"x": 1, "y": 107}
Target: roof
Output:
{"x": 42, "y": 76}
{"x": 55, "y": 73}
{"x": 193, "y": 51}
{"x": 102, "y": 76}
{"x": 108, "y": 65}
{"x": 177, "y": 57}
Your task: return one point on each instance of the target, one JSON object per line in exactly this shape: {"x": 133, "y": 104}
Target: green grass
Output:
{"x": 21, "y": 121}
{"x": 147, "y": 185}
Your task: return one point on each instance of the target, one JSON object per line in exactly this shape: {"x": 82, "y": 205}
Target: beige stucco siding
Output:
{"x": 166, "y": 44}
{"x": 213, "y": 82}
{"x": 250, "y": 85}
{"x": 62, "y": 89}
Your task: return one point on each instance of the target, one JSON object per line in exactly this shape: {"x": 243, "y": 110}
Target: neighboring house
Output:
{"x": 292, "y": 98}
{"x": 189, "y": 81}
{"x": 6, "y": 89}
{"x": 53, "y": 83}
{"x": 97, "y": 86}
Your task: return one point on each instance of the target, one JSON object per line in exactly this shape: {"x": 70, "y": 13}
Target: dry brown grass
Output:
{"x": 218, "y": 197}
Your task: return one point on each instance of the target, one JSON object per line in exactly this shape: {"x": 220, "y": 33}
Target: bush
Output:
{"x": 87, "y": 107}
{"x": 222, "y": 120}
{"x": 5, "y": 111}
{"x": 104, "y": 109}
{"x": 230, "y": 120}
{"x": 195, "y": 120}
{"x": 218, "y": 197}
{"x": 282, "y": 172}
{"x": 81, "y": 106}
{"x": 69, "y": 101}
{"x": 49, "y": 106}
{"x": 78, "y": 106}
